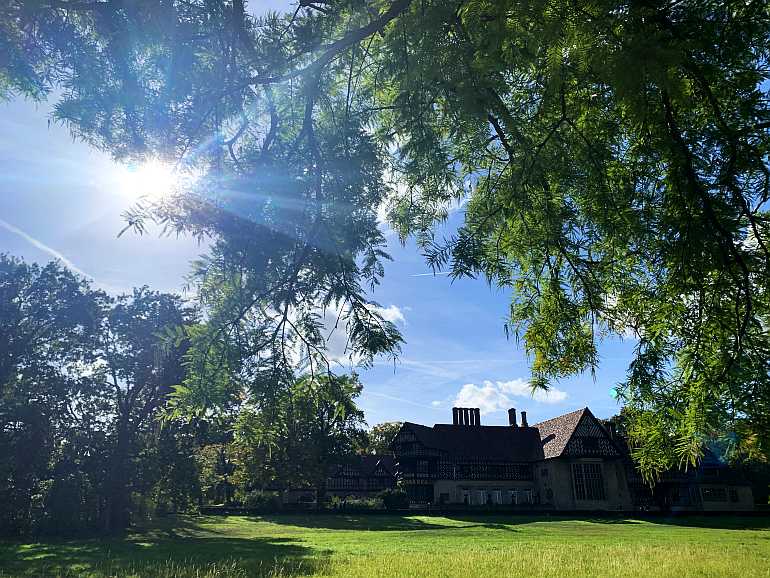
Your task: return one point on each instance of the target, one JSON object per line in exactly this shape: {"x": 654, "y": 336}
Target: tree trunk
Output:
{"x": 116, "y": 513}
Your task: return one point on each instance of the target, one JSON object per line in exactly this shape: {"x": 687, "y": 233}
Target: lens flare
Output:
{"x": 152, "y": 178}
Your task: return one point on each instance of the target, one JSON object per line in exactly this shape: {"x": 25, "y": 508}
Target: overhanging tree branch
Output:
{"x": 335, "y": 48}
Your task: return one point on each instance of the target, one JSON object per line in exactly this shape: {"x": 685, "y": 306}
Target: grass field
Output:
{"x": 363, "y": 546}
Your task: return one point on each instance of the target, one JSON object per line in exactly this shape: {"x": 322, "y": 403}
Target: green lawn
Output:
{"x": 363, "y": 546}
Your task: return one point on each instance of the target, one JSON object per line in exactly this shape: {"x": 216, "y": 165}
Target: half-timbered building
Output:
{"x": 583, "y": 468}
{"x": 570, "y": 462}
{"x": 362, "y": 476}
{"x": 567, "y": 463}
{"x": 711, "y": 486}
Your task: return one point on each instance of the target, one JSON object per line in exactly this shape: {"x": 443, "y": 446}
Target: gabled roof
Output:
{"x": 365, "y": 465}
{"x": 503, "y": 443}
{"x": 370, "y": 463}
{"x": 557, "y": 431}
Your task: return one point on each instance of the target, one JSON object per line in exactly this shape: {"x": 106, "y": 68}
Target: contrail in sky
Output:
{"x": 399, "y": 399}
{"x": 43, "y": 247}
{"x": 431, "y": 274}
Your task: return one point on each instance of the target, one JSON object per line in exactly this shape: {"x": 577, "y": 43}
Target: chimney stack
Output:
{"x": 466, "y": 416}
{"x": 512, "y": 417}
{"x": 524, "y": 419}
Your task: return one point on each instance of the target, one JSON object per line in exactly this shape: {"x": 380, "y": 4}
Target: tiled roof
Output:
{"x": 556, "y": 432}
{"x": 504, "y": 443}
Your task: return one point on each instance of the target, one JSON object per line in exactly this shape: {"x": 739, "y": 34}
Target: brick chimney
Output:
{"x": 524, "y": 419}
{"x": 512, "y": 417}
{"x": 466, "y": 416}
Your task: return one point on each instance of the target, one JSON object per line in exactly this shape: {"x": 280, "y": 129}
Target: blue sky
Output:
{"x": 61, "y": 199}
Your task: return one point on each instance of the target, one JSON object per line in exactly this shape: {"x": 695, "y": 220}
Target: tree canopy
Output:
{"x": 84, "y": 377}
{"x": 88, "y": 435}
{"x": 294, "y": 438}
{"x": 381, "y": 436}
{"x": 611, "y": 158}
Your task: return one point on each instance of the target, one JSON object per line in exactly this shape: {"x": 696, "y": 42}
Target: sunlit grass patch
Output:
{"x": 406, "y": 546}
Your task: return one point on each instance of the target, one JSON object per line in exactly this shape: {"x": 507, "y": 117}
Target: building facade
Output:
{"x": 362, "y": 476}
{"x": 568, "y": 463}
{"x": 712, "y": 486}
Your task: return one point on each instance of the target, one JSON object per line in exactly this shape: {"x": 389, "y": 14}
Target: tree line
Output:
{"x": 89, "y": 435}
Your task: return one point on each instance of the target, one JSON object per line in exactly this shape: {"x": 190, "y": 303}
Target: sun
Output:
{"x": 152, "y": 178}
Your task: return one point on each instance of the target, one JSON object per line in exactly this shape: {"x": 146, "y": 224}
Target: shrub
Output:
{"x": 260, "y": 500}
{"x": 395, "y": 499}
{"x": 355, "y": 503}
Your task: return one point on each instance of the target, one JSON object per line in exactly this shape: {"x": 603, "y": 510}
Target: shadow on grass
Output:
{"x": 715, "y": 522}
{"x": 418, "y": 522}
{"x": 116, "y": 557}
{"x": 721, "y": 522}
{"x": 505, "y": 521}
{"x": 354, "y": 522}
{"x": 390, "y": 523}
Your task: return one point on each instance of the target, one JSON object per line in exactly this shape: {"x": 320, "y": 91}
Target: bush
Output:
{"x": 355, "y": 503}
{"x": 395, "y": 499}
{"x": 65, "y": 506}
{"x": 260, "y": 500}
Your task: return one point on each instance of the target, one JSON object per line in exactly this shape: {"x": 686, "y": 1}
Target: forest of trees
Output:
{"x": 88, "y": 436}
{"x": 611, "y": 160}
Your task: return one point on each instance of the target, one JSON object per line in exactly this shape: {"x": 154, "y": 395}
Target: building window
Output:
{"x": 544, "y": 473}
{"x": 350, "y": 483}
{"x": 420, "y": 493}
{"x": 523, "y": 496}
{"x": 714, "y": 494}
{"x": 421, "y": 467}
{"x": 377, "y": 483}
{"x": 588, "y": 480}
{"x": 733, "y": 495}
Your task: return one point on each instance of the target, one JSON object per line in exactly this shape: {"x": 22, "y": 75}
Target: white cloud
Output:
{"x": 436, "y": 403}
{"x": 521, "y": 388}
{"x": 393, "y": 313}
{"x": 496, "y": 396}
{"x": 487, "y": 397}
